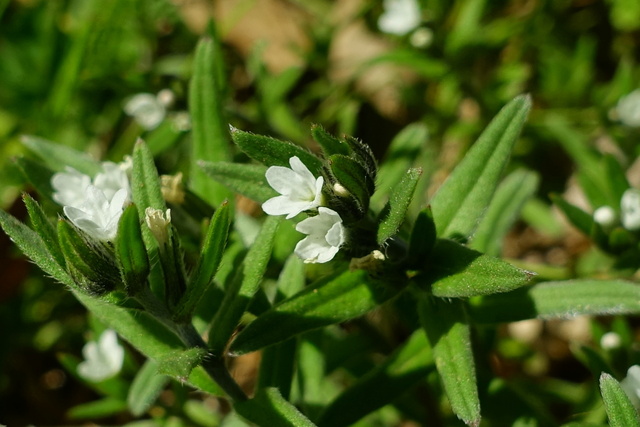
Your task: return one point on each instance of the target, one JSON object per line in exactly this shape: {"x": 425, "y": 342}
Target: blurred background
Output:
{"x": 97, "y": 74}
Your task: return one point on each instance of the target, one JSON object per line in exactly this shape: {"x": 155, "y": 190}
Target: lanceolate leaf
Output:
{"x": 558, "y": 299}
{"x": 272, "y": 152}
{"x": 131, "y": 252}
{"x": 44, "y": 228}
{"x": 620, "y": 411}
{"x": 331, "y": 300}
{"x": 211, "y": 141}
{"x": 408, "y": 365}
{"x": 511, "y": 195}
{"x": 145, "y": 183}
{"x": 456, "y": 271}
{"x": 31, "y": 244}
{"x": 246, "y": 179}
{"x": 244, "y": 287}
{"x": 208, "y": 263}
{"x": 461, "y": 201}
{"x": 58, "y": 156}
{"x": 147, "y": 334}
{"x": 145, "y": 388}
{"x": 448, "y": 332}
{"x": 329, "y": 143}
{"x": 269, "y": 408}
{"x": 393, "y": 215}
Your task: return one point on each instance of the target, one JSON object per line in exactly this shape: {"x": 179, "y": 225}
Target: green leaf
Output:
{"x": 562, "y": 299}
{"x": 145, "y": 388}
{"x": 32, "y": 245}
{"x": 208, "y": 263}
{"x": 180, "y": 363}
{"x": 423, "y": 239}
{"x": 462, "y": 200}
{"x": 354, "y": 178}
{"x": 409, "y": 364}
{"x": 401, "y": 155}
{"x": 393, "y": 215}
{"x": 57, "y": 156}
{"x": 455, "y": 271}
{"x": 616, "y": 180}
{"x": 210, "y": 129}
{"x": 97, "y": 409}
{"x": 620, "y": 411}
{"x": 246, "y": 179}
{"x": 449, "y": 334}
{"x": 146, "y": 334}
{"x": 244, "y": 287}
{"x": 131, "y": 252}
{"x": 272, "y": 152}
{"x": 330, "y": 300}
{"x": 145, "y": 183}
{"x": 44, "y": 228}
{"x": 579, "y": 218}
{"x": 269, "y": 408}
{"x": 329, "y": 143}
{"x": 510, "y": 197}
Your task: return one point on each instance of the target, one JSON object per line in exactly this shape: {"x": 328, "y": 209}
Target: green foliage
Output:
{"x": 145, "y": 388}
{"x": 619, "y": 408}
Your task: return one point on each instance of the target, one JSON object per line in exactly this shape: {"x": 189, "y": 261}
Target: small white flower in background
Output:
{"x": 630, "y": 209}
{"x": 147, "y": 109}
{"x": 70, "y": 187}
{"x": 628, "y": 109}
{"x": 158, "y": 222}
{"x": 98, "y": 216}
{"x": 605, "y": 216}
{"x": 325, "y": 235}
{"x": 421, "y": 38}
{"x": 299, "y": 189}
{"x": 610, "y": 341}
{"x": 103, "y": 359}
{"x": 631, "y": 385}
{"x": 399, "y": 17}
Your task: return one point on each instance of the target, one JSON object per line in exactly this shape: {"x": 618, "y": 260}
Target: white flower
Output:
{"x": 421, "y": 38}
{"x": 631, "y": 385}
{"x": 98, "y": 216}
{"x": 325, "y": 235}
{"x": 630, "y": 207}
{"x": 610, "y": 341}
{"x": 146, "y": 109}
{"x": 605, "y": 216}
{"x": 158, "y": 222}
{"x": 112, "y": 179}
{"x": 70, "y": 187}
{"x": 299, "y": 189}
{"x": 103, "y": 359}
{"x": 628, "y": 109}
{"x": 399, "y": 17}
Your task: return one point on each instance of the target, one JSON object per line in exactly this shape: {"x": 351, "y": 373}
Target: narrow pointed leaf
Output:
{"x": 44, "y": 228}
{"x": 246, "y": 179}
{"x": 145, "y": 388}
{"x": 145, "y": 183}
{"x": 210, "y": 129}
{"x": 208, "y": 263}
{"x": 449, "y": 334}
{"x": 131, "y": 252}
{"x": 560, "y": 299}
{"x": 579, "y": 218}
{"x": 97, "y": 409}
{"x": 620, "y": 411}
{"x": 514, "y": 191}
{"x": 381, "y": 386}
{"x": 244, "y": 287}
{"x": 461, "y": 201}
{"x": 272, "y": 152}
{"x": 455, "y": 271}
{"x": 31, "y": 244}
{"x": 393, "y": 215}
{"x": 423, "y": 239}
{"x": 330, "y": 300}
{"x": 57, "y": 156}
{"x": 353, "y": 178}
{"x": 269, "y": 408}
{"x": 329, "y": 143}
